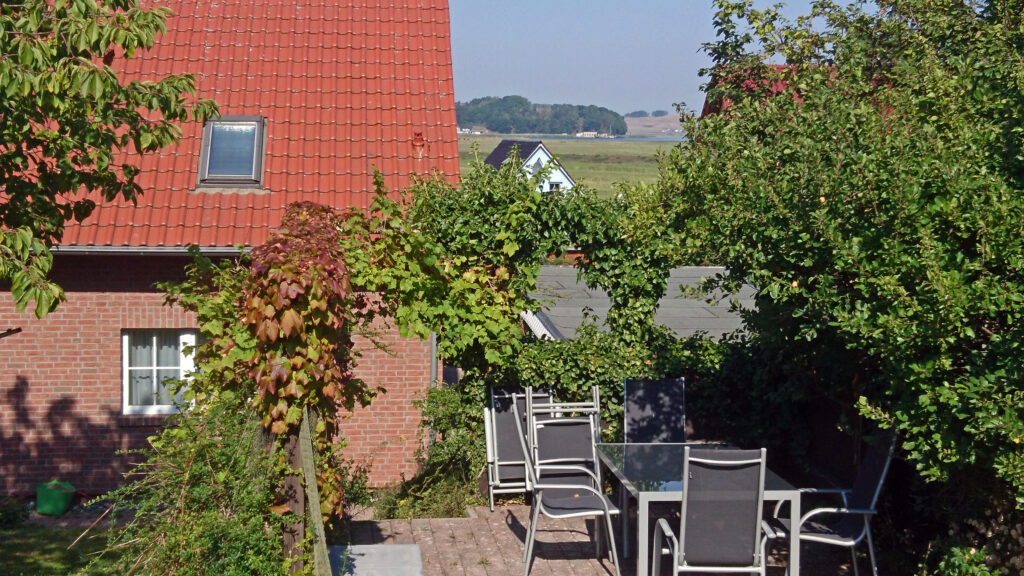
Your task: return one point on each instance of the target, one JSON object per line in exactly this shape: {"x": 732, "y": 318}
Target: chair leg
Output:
{"x": 611, "y": 543}
{"x": 764, "y": 555}
{"x": 871, "y": 553}
{"x": 490, "y": 496}
{"x": 853, "y": 558}
{"x": 531, "y": 535}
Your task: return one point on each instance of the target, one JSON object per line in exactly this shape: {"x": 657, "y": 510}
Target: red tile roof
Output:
{"x": 345, "y": 86}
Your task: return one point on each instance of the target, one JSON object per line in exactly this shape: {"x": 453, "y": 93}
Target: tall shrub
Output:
{"x": 203, "y": 500}
{"x": 868, "y": 182}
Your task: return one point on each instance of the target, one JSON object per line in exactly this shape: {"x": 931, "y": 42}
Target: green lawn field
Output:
{"x": 597, "y": 163}
{"x": 29, "y": 550}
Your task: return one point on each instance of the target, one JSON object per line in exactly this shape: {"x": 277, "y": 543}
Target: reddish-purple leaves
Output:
{"x": 299, "y": 304}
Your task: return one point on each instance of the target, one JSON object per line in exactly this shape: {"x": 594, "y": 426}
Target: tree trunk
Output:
{"x": 321, "y": 561}
{"x": 296, "y": 500}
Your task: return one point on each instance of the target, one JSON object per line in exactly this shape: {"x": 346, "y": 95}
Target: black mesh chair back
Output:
{"x": 867, "y": 485}
{"x": 536, "y": 398}
{"x": 654, "y": 410}
{"x": 723, "y": 495}
{"x": 563, "y": 444}
{"x": 506, "y": 464}
{"x": 511, "y": 465}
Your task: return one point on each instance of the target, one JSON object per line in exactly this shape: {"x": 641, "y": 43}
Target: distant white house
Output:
{"x": 535, "y": 156}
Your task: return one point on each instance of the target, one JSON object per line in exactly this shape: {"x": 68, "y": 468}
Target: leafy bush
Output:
{"x": 870, "y": 188}
{"x": 447, "y": 481}
{"x": 881, "y": 225}
{"x": 202, "y": 501}
{"x": 570, "y": 368}
{"x": 484, "y": 242}
{"x": 629, "y": 250}
{"x": 12, "y": 511}
{"x": 964, "y": 562}
{"x": 355, "y": 482}
{"x": 984, "y": 523}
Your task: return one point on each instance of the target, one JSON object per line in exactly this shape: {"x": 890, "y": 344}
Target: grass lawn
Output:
{"x": 597, "y": 163}
{"x": 29, "y": 550}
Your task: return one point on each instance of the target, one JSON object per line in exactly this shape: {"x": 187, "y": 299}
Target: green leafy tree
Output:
{"x": 599, "y": 119}
{"x": 67, "y": 121}
{"x": 870, "y": 187}
{"x": 460, "y": 262}
{"x": 463, "y": 260}
{"x": 630, "y": 249}
{"x": 515, "y": 114}
{"x": 565, "y": 119}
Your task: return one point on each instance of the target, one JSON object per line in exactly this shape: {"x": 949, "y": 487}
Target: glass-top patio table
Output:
{"x": 654, "y": 473}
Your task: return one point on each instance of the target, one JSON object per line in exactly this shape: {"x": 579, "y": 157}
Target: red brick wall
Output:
{"x": 60, "y": 381}
{"x": 386, "y": 433}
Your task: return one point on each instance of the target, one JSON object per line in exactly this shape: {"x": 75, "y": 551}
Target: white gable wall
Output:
{"x": 558, "y": 178}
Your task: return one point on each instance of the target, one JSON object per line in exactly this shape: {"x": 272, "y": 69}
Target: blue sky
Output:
{"x": 626, "y": 56}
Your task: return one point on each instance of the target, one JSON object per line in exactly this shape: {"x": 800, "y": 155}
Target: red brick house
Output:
{"x": 314, "y": 95}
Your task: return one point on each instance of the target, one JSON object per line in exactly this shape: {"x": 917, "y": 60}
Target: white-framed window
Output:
{"x": 232, "y": 151}
{"x": 149, "y": 358}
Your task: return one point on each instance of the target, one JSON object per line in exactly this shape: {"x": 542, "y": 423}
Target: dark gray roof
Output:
{"x": 564, "y": 298}
{"x": 504, "y": 148}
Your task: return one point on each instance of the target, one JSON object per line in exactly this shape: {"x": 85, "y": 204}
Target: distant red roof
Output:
{"x": 346, "y": 86}
{"x": 768, "y": 81}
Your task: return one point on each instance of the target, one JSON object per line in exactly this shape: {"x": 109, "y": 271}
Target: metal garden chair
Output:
{"x": 562, "y": 468}
{"x": 859, "y": 505}
{"x": 506, "y": 466}
{"x": 654, "y": 410}
{"x": 720, "y": 527}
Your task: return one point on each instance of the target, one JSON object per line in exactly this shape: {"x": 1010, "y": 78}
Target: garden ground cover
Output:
{"x": 35, "y": 550}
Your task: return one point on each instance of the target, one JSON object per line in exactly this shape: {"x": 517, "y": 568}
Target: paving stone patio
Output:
{"x": 491, "y": 544}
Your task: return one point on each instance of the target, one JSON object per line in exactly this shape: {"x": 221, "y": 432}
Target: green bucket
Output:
{"x": 54, "y": 498}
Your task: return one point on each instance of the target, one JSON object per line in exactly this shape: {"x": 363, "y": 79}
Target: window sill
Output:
{"x": 224, "y": 189}
{"x": 141, "y": 420}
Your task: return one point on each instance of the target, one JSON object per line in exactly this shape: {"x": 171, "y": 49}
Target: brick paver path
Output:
{"x": 491, "y": 544}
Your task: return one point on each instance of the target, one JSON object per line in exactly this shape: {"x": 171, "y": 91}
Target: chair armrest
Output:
{"x": 773, "y": 528}
{"x": 539, "y": 490}
{"x": 818, "y": 511}
{"x": 583, "y": 487}
{"x": 843, "y": 492}
{"x": 825, "y": 490}
{"x": 662, "y": 531}
{"x": 489, "y": 437}
{"x": 542, "y": 468}
{"x": 662, "y": 528}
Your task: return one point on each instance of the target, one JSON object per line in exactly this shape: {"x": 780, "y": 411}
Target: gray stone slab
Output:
{"x": 563, "y": 300}
{"x": 376, "y": 560}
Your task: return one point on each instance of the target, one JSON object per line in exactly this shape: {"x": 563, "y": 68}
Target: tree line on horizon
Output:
{"x": 517, "y": 115}
{"x": 645, "y": 114}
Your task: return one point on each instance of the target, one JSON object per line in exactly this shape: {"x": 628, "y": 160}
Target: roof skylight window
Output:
{"x": 232, "y": 152}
